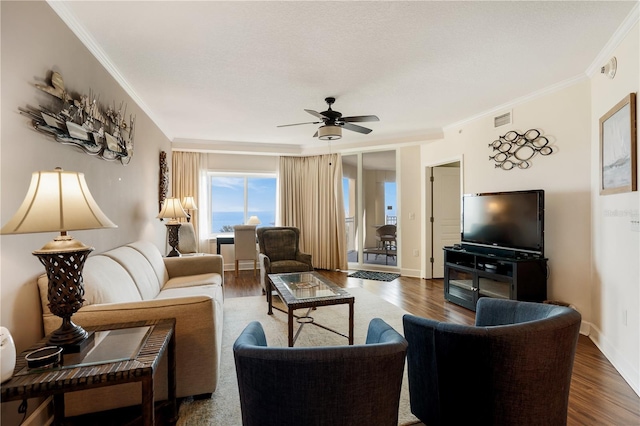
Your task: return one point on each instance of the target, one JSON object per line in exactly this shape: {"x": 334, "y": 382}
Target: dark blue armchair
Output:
{"x": 338, "y": 385}
{"x": 513, "y": 368}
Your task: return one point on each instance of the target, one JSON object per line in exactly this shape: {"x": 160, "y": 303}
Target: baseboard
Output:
{"x": 414, "y": 273}
{"x": 585, "y": 328}
{"x": 626, "y": 369}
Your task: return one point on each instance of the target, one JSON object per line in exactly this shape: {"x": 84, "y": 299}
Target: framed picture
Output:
{"x": 618, "y": 136}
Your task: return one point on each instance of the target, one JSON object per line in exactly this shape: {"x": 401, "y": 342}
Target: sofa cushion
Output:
{"x": 137, "y": 265}
{"x": 194, "y": 281}
{"x": 151, "y": 252}
{"x": 106, "y": 281}
{"x": 283, "y": 266}
{"x": 213, "y": 291}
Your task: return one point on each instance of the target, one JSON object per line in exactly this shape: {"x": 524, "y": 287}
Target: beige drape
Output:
{"x": 310, "y": 190}
{"x": 185, "y": 181}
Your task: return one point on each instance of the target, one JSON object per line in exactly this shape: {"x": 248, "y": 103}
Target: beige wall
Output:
{"x": 34, "y": 41}
{"x": 410, "y": 217}
{"x": 615, "y": 289}
{"x": 242, "y": 163}
{"x": 593, "y": 251}
{"x": 562, "y": 117}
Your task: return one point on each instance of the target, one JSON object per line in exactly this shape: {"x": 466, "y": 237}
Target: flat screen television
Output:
{"x": 507, "y": 223}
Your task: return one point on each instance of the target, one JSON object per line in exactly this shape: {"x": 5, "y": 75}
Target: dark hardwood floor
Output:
{"x": 599, "y": 395}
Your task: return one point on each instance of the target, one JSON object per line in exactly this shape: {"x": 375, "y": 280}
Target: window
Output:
{"x": 391, "y": 217}
{"x": 234, "y": 198}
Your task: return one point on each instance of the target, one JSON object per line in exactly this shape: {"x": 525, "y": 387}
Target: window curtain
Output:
{"x": 186, "y": 176}
{"x": 310, "y": 190}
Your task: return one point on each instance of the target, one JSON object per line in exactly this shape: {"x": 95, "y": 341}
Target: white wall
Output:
{"x": 615, "y": 280}
{"x": 34, "y": 41}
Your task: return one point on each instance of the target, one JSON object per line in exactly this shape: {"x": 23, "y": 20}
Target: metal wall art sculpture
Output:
{"x": 164, "y": 180}
{"x": 516, "y": 150}
{"x": 82, "y": 122}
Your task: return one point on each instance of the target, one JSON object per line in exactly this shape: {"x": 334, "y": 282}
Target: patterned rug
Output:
{"x": 377, "y": 276}
{"x": 224, "y": 406}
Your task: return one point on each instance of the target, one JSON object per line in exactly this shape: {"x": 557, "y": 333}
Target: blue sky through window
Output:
{"x": 228, "y": 201}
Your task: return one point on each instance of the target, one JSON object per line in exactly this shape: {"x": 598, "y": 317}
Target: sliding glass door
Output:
{"x": 370, "y": 193}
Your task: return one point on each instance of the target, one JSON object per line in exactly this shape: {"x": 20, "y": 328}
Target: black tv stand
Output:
{"x": 470, "y": 275}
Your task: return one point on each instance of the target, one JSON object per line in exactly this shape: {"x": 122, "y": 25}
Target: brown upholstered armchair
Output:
{"x": 280, "y": 252}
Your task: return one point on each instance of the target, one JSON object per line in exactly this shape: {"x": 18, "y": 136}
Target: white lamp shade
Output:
{"x": 329, "y": 133}
{"x": 188, "y": 203}
{"x": 172, "y": 209}
{"x": 57, "y": 201}
{"x": 253, "y": 220}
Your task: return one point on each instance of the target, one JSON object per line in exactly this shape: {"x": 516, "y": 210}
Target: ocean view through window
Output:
{"x": 236, "y": 197}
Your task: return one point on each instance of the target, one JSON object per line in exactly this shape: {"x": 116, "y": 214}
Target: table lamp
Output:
{"x": 172, "y": 210}
{"x": 60, "y": 201}
{"x": 189, "y": 204}
{"x": 253, "y": 220}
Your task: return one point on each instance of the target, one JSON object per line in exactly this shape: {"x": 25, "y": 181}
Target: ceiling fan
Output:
{"x": 333, "y": 122}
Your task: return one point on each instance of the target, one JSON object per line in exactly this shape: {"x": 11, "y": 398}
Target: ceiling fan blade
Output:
{"x": 316, "y": 134}
{"x": 360, "y": 118}
{"x": 356, "y": 128}
{"x": 298, "y": 124}
{"x": 316, "y": 114}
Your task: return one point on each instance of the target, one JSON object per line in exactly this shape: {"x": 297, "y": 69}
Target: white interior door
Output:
{"x": 446, "y": 213}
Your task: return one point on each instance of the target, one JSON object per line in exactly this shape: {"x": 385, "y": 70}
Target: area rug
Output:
{"x": 377, "y": 276}
{"x": 224, "y": 406}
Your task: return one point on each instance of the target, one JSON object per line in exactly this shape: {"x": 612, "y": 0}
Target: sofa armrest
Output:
{"x": 198, "y": 333}
{"x": 194, "y": 265}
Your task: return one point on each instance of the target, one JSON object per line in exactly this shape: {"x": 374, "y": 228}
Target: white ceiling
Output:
{"x": 229, "y": 72}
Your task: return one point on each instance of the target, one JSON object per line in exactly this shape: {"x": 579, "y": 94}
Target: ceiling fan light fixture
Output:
{"x": 329, "y": 132}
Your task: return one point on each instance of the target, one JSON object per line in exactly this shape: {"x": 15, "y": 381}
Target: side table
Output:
{"x": 103, "y": 367}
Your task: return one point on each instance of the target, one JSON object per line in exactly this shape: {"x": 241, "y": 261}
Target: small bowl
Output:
{"x": 49, "y": 356}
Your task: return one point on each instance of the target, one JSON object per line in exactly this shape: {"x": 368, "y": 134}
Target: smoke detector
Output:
{"x": 609, "y": 69}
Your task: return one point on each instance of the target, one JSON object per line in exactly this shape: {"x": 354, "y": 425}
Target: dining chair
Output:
{"x": 244, "y": 241}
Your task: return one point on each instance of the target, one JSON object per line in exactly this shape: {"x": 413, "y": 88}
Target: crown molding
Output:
{"x": 614, "y": 41}
{"x": 60, "y": 8}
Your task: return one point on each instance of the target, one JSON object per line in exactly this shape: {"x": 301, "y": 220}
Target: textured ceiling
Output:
{"x": 229, "y": 72}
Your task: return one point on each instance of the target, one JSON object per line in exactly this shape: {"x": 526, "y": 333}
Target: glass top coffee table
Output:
{"x": 299, "y": 290}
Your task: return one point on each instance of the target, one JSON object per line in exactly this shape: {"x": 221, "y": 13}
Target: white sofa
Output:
{"x": 134, "y": 282}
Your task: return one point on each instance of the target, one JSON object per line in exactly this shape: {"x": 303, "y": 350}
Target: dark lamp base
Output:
{"x": 79, "y": 347}
{"x": 174, "y": 253}
{"x": 172, "y": 229}
{"x": 71, "y": 337}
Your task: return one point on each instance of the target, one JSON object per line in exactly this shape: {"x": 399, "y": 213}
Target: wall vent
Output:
{"x": 502, "y": 119}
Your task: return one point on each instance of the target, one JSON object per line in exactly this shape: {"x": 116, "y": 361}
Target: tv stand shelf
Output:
{"x": 469, "y": 276}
